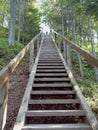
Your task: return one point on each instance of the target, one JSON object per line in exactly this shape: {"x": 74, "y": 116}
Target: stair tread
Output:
{"x": 51, "y": 74}
{"x": 79, "y": 126}
{"x": 53, "y": 85}
{"x": 41, "y": 113}
{"x": 54, "y": 92}
{"x": 54, "y": 101}
{"x": 52, "y": 79}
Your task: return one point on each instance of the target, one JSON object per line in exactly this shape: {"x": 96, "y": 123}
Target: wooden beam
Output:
{"x": 57, "y": 127}
{"x": 89, "y": 57}
{"x": 55, "y": 113}
{"x": 14, "y": 63}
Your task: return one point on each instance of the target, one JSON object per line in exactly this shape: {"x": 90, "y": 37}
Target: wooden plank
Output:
{"x": 89, "y": 57}
{"x": 51, "y": 75}
{"x": 3, "y": 104}
{"x": 53, "y": 92}
{"x": 51, "y": 70}
{"x": 51, "y": 79}
{"x": 55, "y": 113}
{"x": 4, "y": 76}
{"x": 57, "y": 127}
{"x": 52, "y": 59}
{"x": 50, "y": 67}
{"x": 24, "y": 106}
{"x": 47, "y": 64}
{"x": 55, "y": 101}
{"x": 50, "y": 62}
{"x": 53, "y": 85}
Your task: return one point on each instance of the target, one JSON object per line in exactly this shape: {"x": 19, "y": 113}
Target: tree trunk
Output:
{"x": 76, "y": 42}
{"x": 19, "y": 18}
{"x": 12, "y": 22}
{"x": 92, "y": 45}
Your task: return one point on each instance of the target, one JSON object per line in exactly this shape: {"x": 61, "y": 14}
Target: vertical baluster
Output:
{"x": 37, "y": 44}
{"x": 59, "y": 43}
{"x": 31, "y": 56}
{"x": 69, "y": 57}
{"x": 65, "y": 53}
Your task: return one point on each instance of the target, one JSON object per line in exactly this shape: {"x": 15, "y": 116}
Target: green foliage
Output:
{"x": 7, "y": 53}
{"x": 88, "y": 85}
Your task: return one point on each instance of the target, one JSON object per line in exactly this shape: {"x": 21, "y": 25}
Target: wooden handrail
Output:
{"x": 4, "y": 78}
{"x": 89, "y": 57}
{"x": 14, "y": 63}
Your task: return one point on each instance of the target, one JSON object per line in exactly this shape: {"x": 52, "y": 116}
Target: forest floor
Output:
{"x": 18, "y": 82}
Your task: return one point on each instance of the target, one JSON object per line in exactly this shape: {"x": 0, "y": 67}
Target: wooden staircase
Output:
{"x": 54, "y": 103}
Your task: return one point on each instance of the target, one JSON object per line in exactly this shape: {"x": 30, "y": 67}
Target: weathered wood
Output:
{"x": 52, "y": 70}
{"x": 59, "y": 43}
{"x": 57, "y": 127}
{"x": 50, "y": 67}
{"x": 89, "y": 57}
{"x": 21, "y": 115}
{"x": 55, "y": 101}
{"x": 64, "y": 53}
{"x": 4, "y": 81}
{"x": 51, "y": 75}
{"x": 38, "y": 44}
{"x": 3, "y": 104}
{"x": 4, "y": 75}
{"x": 55, "y": 113}
{"x": 51, "y": 79}
{"x": 53, "y": 85}
{"x": 89, "y": 114}
{"x": 13, "y": 64}
{"x": 53, "y": 92}
{"x": 31, "y": 57}
{"x": 51, "y": 64}
{"x": 68, "y": 58}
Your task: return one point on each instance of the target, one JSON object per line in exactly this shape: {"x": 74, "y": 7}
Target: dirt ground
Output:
{"x": 18, "y": 82}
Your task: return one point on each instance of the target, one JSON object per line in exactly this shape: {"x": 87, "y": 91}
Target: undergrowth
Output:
{"x": 7, "y": 53}
{"x": 88, "y": 84}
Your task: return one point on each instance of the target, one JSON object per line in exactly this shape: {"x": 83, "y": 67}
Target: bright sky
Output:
{"x": 45, "y": 28}
{"x": 38, "y": 3}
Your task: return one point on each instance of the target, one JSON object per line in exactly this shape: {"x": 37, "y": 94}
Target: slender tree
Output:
{"x": 11, "y": 36}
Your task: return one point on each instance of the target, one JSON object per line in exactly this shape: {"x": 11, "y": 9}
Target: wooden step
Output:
{"x": 50, "y": 67}
{"x": 53, "y": 92}
{"x": 51, "y": 75}
{"x": 51, "y": 79}
{"x": 53, "y": 85}
{"x": 51, "y": 70}
{"x": 55, "y": 101}
{"x": 50, "y": 59}
{"x": 52, "y": 113}
{"x": 57, "y": 127}
{"x": 50, "y": 64}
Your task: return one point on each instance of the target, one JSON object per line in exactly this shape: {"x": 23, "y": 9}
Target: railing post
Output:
{"x": 37, "y": 44}
{"x": 68, "y": 58}
{"x": 64, "y": 53}
{"x": 3, "y": 103}
{"x": 59, "y": 43}
{"x": 31, "y": 57}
